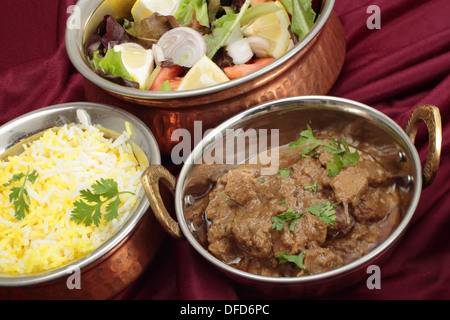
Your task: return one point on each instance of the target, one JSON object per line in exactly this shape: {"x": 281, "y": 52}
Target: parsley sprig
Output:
{"x": 19, "y": 194}
{"x": 342, "y": 156}
{"x": 89, "y": 210}
{"x": 324, "y": 211}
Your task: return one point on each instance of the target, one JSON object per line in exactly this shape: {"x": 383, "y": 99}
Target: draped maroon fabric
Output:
{"x": 393, "y": 69}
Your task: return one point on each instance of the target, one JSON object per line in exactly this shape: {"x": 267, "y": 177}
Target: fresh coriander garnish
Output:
{"x": 312, "y": 187}
{"x": 288, "y": 216}
{"x": 104, "y": 192}
{"x": 19, "y": 195}
{"x": 297, "y": 259}
{"x": 261, "y": 180}
{"x": 283, "y": 172}
{"x": 341, "y": 157}
{"x": 324, "y": 211}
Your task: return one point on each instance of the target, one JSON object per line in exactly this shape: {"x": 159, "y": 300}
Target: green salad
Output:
{"x": 167, "y": 45}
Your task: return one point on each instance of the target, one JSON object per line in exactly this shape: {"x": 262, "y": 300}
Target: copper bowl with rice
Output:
{"x": 311, "y": 67}
{"x": 123, "y": 257}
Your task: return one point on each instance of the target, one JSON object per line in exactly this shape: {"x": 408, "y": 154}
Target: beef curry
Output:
{"x": 328, "y": 205}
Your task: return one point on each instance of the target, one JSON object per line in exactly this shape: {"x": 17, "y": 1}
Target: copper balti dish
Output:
{"x": 119, "y": 261}
{"x": 363, "y": 125}
{"x": 311, "y": 67}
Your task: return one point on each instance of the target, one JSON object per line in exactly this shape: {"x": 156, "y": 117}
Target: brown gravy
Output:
{"x": 235, "y": 219}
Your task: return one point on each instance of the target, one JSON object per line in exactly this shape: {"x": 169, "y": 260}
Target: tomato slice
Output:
{"x": 240, "y": 70}
{"x": 166, "y": 73}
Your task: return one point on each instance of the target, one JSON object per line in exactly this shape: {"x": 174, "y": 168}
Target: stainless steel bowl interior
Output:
{"x": 365, "y": 124}
{"x": 87, "y": 15}
{"x": 108, "y": 117}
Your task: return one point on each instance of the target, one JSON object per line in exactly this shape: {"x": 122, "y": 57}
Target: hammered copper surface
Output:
{"x": 109, "y": 275}
{"x": 313, "y": 70}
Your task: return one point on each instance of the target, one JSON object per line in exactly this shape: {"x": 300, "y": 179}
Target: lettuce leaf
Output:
{"x": 201, "y": 12}
{"x": 185, "y": 12}
{"x": 112, "y": 63}
{"x": 303, "y": 16}
{"x": 223, "y": 27}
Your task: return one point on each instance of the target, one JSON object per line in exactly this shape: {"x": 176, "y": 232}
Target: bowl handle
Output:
{"x": 150, "y": 180}
{"x": 431, "y": 116}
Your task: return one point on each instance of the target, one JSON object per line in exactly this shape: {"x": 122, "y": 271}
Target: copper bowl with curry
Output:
{"x": 311, "y": 67}
{"x": 298, "y": 197}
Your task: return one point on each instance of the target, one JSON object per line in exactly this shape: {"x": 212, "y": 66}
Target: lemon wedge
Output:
{"x": 272, "y": 27}
{"x": 138, "y": 62}
{"x": 204, "y": 73}
{"x": 143, "y": 9}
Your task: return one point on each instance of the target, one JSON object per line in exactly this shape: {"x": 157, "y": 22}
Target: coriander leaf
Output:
{"x": 90, "y": 197}
{"x": 312, "y": 187}
{"x": 112, "y": 210}
{"x": 19, "y": 195}
{"x": 297, "y": 259}
{"x": 15, "y": 178}
{"x": 84, "y": 212}
{"x": 283, "y": 172}
{"x": 278, "y": 223}
{"x": 288, "y": 216}
{"x": 105, "y": 187}
{"x": 261, "y": 180}
{"x": 348, "y": 157}
{"x": 324, "y": 211}
{"x": 334, "y": 166}
{"x": 340, "y": 157}
{"x": 89, "y": 210}
{"x": 307, "y": 141}
{"x": 32, "y": 176}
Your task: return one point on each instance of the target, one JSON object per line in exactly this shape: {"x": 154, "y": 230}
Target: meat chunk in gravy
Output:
{"x": 242, "y": 206}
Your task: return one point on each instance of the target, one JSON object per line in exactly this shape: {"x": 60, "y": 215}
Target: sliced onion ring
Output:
{"x": 183, "y": 46}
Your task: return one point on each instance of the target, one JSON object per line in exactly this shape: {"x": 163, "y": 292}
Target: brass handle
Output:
{"x": 150, "y": 180}
{"x": 431, "y": 116}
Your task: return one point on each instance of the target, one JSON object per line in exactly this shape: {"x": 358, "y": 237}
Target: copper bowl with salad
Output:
{"x": 74, "y": 220}
{"x": 175, "y": 62}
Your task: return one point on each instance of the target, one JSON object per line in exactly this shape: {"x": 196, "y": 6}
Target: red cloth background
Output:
{"x": 393, "y": 69}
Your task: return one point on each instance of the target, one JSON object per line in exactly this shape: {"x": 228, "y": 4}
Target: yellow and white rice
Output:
{"x": 67, "y": 159}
